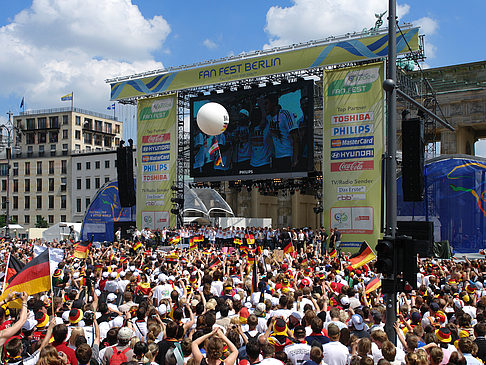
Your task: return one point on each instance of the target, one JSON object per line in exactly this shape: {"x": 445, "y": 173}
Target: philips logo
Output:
{"x": 352, "y": 130}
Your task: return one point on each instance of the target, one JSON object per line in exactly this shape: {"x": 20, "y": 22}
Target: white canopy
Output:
{"x": 60, "y": 231}
{"x": 13, "y": 226}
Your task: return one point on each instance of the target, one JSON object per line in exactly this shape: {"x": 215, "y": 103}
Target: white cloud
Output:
{"x": 428, "y": 26}
{"x": 316, "y": 19}
{"x": 57, "y": 46}
{"x": 208, "y": 43}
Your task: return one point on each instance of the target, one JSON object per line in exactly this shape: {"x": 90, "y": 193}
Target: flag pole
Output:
{"x": 6, "y": 271}
{"x": 114, "y": 109}
{"x": 52, "y": 286}
{"x": 72, "y": 100}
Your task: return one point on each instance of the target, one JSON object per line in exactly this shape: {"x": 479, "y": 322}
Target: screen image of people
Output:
{"x": 270, "y": 130}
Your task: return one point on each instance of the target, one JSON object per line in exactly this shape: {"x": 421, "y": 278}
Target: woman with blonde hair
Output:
{"x": 75, "y": 333}
{"x": 50, "y": 356}
{"x": 214, "y": 344}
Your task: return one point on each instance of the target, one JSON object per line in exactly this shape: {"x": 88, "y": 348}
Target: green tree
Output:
{"x": 41, "y": 223}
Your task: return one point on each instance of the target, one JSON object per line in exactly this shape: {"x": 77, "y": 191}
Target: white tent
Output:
{"x": 60, "y": 231}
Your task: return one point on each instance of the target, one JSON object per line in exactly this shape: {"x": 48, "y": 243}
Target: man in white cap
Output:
{"x": 162, "y": 290}
{"x": 122, "y": 351}
{"x": 111, "y": 298}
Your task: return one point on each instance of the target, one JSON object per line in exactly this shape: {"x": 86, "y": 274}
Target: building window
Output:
{"x": 78, "y": 205}
{"x": 27, "y": 185}
{"x": 117, "y": 128}
{"x": 30, "y": 151}
{"x": 88, "y": 183}
{"x": 54, "y": 122}
{"x": 4, "y": 202}
{"x": 88, "y": 200}
{"x": 107, "y": 127}
{"x": 15, "y": 219}
{"x": 53, "y": 137}
{"x": 63, "y": 202}
{"x": 97, "y": 165}
{"x": 27, "y": 168}
{"x": 64, "y": 167}
{"x": 42, "y": 137}
{"x": 88, "y": 165}
{"x": 39, "y": 167}
{"x": 78, "y": 184}
{"x": 88, "y": 138}
{"x": 30, "y": 138}
{"x": 65, "y": 134}
{"x": 15, "y": 202}
{"x": 31, "y": 123}
{"x": 51, "y": 201}
{"x": 38, "y": 218}
{"x": 39, "y": 185}
{"x": 51, "y": 167}
{"x": 63, "y": 183}
{"x": 77, "y": 120}
{"x": 15, "y": 169}
{"x": 107, "y": 179}
{"x": 64, "y": 149}
{"x": 63, "y": 218}
{"x": 107, "y": 164}
{"x": 27, "y": 202}
{"x": 41, "y": 150}
{"x": 77, "y": 147}
{"x": 51, "y": 219}
{"x": 78, "y": 166}
{"x": 39, "y": 201}
{"x": 117, "y": 142}
{"x": 42, "y": 123}
{"x": 97, "y": 182}
{"x": 53, "y": 149}
{"x": 27, "y": 219}
{"x": 51, "y": 184}
{"x": 64, "y": 119}
{"x": 15, "y": 186}
{"x": 4, "y": 185}
{"x": 108, "y": 141}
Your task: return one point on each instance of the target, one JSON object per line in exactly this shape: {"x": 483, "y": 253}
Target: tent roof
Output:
{"x": 205, "y": 201}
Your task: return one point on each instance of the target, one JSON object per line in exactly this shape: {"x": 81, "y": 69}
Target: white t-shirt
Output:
{"x": 335, "y": 353}
{"x": 298, "y": 352}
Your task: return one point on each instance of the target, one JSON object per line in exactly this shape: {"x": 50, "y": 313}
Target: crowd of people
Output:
{"x": 135, "y": 301}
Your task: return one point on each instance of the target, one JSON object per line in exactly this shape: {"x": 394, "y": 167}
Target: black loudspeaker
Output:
{"x": 124, "y": 169}
{"x": 413, "y": 151}
{"x": 422, "y": 234}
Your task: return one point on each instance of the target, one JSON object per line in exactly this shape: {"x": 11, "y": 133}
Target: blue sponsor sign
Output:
{"x": 353, "y": 154}
{"x": 156, "y": 158}
{"x": 156, "y": 148}
{"x": 352, "y": 142}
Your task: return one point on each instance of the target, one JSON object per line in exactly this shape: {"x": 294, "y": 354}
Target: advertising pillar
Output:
{"x": 352, "y": 152}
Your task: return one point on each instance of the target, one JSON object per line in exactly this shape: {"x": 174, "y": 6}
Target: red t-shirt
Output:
{"x": 68, "y": 351}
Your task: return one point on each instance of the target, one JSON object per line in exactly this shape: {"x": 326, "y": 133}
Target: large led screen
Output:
{"x": 270, "y": 134}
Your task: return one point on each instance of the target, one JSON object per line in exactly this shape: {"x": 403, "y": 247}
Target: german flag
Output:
{"x": 251, "y": 260}
{"x": 254, "y": 277}
{"x": 214, "y": 262}
{"x": 175, "y": 240}
{"x": 192, "y": 244}
{"x": 333, "y": 253}
{"x": 374, "y": 284}
{"x": 172, "y": 257}
{"x": 137, "y": 245}
{"x": 258, "y": 250}
{"x": 244, "y": 254}
{"x": 238, "y": 241}
{"x": 250, "y": 239}
{"x": 289, "y": 248}
{"x": 244, "y": 248}
{"x": 14, "y": 266}
{"x": 198, "y": 238}
{"x": 35, "y": 277}
{"x": 363, "y": 256}
{"x": 81, "y": 249}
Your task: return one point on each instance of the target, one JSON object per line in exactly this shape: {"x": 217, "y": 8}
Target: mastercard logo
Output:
{"x": 336, "y": 143}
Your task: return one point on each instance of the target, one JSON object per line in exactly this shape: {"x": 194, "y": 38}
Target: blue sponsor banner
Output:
{"x": 353, "y": 154}
{"x": 352, "y": 142}
{"x": 350, "y": 130}
{"x": 156, "y": 158}
{"x": 156, "y": 148}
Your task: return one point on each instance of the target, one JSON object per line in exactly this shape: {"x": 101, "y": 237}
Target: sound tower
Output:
{"x": 422, "y": 233}
{"x": 413, "y": 150}
{"x": 124, "y": 169}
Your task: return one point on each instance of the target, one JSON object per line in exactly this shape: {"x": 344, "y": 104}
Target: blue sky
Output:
{"x": 53, "y": 47}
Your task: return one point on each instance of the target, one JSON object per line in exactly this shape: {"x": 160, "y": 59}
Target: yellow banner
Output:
{"x": 340, "y": 51}
{"x": 156, "y": 161}
{"x": 352, "y": 151}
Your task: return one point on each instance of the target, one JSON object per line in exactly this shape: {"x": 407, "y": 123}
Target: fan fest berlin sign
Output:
{"x": 353, "y": 146}
{"x": 280, "y": 61}
{"x": 156, "y": 160}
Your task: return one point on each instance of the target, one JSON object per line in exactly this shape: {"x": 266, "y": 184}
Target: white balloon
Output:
{"x": 212, "y": 119}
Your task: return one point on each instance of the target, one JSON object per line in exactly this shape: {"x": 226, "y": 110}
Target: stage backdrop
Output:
{"x": 352, "y": 150}
{"x": 156, "y": 160}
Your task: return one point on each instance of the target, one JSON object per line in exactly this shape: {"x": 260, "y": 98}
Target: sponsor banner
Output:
{"x": 352, "y": 142}
{"x": 320, "y": 55}
{"x": 353, "y": 132}
{"x": 156, "y": 160}
{"x": 352, "y": 154}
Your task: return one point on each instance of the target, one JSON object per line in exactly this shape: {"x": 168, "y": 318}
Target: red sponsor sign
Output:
{"x": 352, "y": 166}
{"x": 156, "y": 138}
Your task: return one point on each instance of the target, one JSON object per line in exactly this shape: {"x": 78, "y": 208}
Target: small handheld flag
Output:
{"x": 363, "y": 256}
{"x": 214, "y": 147}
